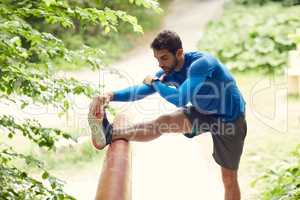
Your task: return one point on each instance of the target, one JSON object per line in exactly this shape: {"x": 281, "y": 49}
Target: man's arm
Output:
{"x": 188, "y": 90}
{"x": 181, "y": 96}
{"x": 128, "y": 94}
{"x": 135, "y": 92}
{"x": 99, "y": 103}
{"x": 132, "y": 93}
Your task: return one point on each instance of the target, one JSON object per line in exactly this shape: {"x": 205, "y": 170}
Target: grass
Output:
{"x": 69, "y": 156}
{"x": 267, "y": 142}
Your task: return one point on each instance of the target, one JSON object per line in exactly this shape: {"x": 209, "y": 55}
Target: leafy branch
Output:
{"x": 27, "y": 55}
{"x": 18, "y": 184}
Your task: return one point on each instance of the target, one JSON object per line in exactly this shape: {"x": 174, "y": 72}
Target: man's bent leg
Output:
{"x": 231, "y": 185}
{"x": 175, "y": 122}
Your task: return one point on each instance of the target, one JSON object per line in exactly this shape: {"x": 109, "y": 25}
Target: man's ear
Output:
{"x": 179, "y": 53}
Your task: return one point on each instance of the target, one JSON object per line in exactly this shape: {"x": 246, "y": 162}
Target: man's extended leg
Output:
{"x": 175, "y": 122}
{"x": 231, "y": 185}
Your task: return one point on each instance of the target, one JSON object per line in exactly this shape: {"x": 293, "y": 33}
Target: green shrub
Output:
{"x": 282, "y": 181}
{"x": 295, "y": 37}
{"x": 253, "y": 37}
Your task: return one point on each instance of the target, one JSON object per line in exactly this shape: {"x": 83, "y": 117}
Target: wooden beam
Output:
{"x": 115, "y": 178}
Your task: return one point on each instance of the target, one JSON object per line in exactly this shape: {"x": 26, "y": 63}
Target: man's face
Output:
{"x": 166, "y": 60}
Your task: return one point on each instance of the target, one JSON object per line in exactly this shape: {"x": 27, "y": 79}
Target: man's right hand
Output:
{"x": 98, "y": 105}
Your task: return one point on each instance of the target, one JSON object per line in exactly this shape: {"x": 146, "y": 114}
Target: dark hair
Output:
{"x": 167, "y": 40}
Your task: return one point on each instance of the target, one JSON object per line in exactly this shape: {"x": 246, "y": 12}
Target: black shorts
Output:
{"x": 228, "y": 137}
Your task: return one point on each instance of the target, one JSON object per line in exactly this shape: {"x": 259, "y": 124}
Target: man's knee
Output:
{"x": 163, "y": 119}
{"x": 229, "y": 177}
{"x": 163, "y": 123}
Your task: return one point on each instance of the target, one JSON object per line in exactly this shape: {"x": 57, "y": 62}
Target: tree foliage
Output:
{"x": 27, "y": 53}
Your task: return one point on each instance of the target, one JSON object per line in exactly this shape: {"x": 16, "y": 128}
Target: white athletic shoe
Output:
{"x": 101, "y": 131}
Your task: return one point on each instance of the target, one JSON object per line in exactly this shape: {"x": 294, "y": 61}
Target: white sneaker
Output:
{"x": 101, "y": 131}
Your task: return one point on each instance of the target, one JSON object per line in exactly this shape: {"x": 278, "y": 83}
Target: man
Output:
{"x": 215, "y": 105}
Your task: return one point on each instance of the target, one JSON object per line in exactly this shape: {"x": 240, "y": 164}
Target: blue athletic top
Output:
{"x": 202, "y": 81}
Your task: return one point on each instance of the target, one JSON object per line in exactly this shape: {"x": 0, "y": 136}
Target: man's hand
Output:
{"x": 148, "y": 80}
{"x": 98, "y": 105}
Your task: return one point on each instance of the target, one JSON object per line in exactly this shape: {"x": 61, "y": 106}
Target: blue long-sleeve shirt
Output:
{"x": 202, "y": 81}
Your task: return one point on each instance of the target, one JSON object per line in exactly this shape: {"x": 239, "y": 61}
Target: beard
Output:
{"x": 171, "y": 68}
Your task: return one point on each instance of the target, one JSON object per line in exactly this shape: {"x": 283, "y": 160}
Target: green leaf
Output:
{"x": 23, "y": 175}
{"x": 45, "y": 175}
{"x": 264, "y": 45}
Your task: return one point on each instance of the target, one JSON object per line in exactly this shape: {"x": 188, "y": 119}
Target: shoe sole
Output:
{"x": 97, "y": 132}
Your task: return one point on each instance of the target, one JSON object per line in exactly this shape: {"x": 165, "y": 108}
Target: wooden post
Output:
{"x": 115, "y": 179}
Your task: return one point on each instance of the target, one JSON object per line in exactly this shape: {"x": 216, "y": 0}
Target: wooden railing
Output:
{"x": 115, "y": 179}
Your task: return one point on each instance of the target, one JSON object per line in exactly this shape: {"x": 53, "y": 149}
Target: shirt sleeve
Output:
{"x": 188, "y": 90}
{"x": 181, "y": 96}
{"x": 133, "y": 93}
{"x": 136, "y": 92}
